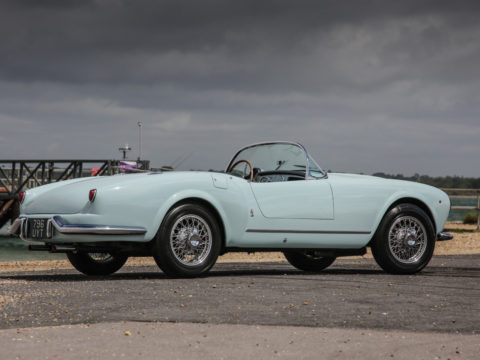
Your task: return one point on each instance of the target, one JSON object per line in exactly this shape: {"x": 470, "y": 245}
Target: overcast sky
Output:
{"x": 366, "y": 86}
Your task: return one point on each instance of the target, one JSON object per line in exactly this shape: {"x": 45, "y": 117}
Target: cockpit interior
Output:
{"x": 274, "y": 162}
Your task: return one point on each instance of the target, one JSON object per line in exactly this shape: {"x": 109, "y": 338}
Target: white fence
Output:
{"x": 477, "y": 208}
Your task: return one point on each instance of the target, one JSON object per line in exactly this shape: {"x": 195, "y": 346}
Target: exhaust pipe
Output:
{"x": 63, "y": 249}
{"x": 39, "y": 248}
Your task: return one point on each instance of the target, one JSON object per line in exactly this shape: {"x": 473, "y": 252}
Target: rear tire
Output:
{"x": 308, "y": 261}
{"x": 90, "y": 264}
{"x": 404, "y": 241}
{"x": 188, "y": 242}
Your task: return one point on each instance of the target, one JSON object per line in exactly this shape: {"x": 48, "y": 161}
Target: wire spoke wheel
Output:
{"x": 407, "y": 239}
{"x": 191, "y": 240}
{"x": 97, "y": 263}
{"x": 309, "y": 260}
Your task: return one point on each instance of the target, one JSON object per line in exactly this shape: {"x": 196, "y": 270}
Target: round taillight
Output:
{"x": 91, "y": 195}
{"x": 21, "y": 196}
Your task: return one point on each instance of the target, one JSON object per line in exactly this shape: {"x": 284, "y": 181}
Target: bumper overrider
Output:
{"x": 443, "y": 236}
{"x": 19, "y": 228}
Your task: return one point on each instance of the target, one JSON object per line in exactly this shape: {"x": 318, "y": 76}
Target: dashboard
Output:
{"x": 277, "y": 176}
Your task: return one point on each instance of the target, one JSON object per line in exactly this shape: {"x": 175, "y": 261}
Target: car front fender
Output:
{"x": 436, "y": 201}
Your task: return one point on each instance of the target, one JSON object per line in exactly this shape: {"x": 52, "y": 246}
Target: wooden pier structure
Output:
{"x": 20, "y": 175}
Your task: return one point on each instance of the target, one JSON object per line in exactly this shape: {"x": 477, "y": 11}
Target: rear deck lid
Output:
{"x": 71, "y": 198}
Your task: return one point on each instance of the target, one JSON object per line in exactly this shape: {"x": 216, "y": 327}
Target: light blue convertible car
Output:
{"x": 272, "y": 197}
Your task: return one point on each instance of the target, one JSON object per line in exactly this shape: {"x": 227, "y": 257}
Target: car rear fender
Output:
{"x": 31, "y": 194}
{"x": 192, "y": 194}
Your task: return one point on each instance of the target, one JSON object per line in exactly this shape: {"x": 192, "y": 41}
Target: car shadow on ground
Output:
{"x": 49, "y": 276}
{"x": 239, "y": 270}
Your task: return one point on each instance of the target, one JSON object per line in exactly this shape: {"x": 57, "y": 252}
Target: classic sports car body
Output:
{"x": 272, "y": 196}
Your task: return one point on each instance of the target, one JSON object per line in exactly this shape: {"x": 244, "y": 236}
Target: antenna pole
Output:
{"x": 125, "y": 150}
{"x": 140, "y": 149}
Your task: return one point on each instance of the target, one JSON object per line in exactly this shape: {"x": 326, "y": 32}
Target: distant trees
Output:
{"x": 456, "y": 182}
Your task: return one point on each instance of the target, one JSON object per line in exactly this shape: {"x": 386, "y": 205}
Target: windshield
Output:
{"x": 278, "y": 156}
{"x": 315, "y": 170}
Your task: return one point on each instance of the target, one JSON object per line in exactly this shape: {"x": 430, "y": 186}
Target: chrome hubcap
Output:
{"x": 407, "y": 239}
{"x": 191, "y": 240}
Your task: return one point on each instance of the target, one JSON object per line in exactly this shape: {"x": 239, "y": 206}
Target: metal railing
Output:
{"x": 477, "y": 195}
{"x": 19, "y": 175}
{"x": 22, "y": 174}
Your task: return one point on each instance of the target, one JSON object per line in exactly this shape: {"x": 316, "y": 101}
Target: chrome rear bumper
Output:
{"x": 19, "y": 227}
{"x": 444, "y": 236}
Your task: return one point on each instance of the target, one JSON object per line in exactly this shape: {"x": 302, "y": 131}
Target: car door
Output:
{"x": 304, "y": 199}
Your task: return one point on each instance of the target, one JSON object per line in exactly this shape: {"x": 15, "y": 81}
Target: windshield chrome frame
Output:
{"x": 308, "y": 175}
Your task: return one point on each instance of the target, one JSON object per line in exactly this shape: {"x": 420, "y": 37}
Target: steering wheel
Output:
{"x": 245, "y": 161}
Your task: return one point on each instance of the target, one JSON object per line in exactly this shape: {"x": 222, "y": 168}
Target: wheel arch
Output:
{"x": 207, "y": 204}
{"x": 417, "y": 202}
{"x": 407, "y": 200}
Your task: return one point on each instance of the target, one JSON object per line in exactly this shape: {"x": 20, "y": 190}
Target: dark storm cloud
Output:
{"x": 246, "y": 41}
{"x": 367, "y": 85}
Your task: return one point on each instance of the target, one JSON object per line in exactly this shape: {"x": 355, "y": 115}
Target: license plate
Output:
{"x": 38, "y": 228}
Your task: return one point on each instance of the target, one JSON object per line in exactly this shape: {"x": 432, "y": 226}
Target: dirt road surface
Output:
{"x": 246, "y": 310}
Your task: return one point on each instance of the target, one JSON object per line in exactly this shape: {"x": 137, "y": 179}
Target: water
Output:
{"x": 457, "y": 215}
{"x": 15, "y": 249}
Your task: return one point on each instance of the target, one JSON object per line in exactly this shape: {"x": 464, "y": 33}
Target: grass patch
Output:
{"x": 458, "y": 231}
{"x": 470, "y": 218}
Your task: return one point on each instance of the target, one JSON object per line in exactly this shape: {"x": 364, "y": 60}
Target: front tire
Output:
{"x": 308, "y": 260}
{"x": 404, "y": 241}
{"x": 97, "y": 264}
{"x": 188, "y": 242}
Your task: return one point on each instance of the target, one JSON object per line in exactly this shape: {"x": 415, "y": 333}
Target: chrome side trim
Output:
{"x": 444, "y": 236}
{"x": 308, "y": 176}
{"x": 63, "y": 228}
{"x": 275, "y": 231}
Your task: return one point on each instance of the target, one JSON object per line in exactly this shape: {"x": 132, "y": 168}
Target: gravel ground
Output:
{"x": 359, "y": 310}
{"x": 437, "y": 312}
{"x": 352, "y": 294}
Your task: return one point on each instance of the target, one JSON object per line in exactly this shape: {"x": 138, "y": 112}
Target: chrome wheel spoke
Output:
{"x": 191, "y": 240}
{"x": 407, "y": 240}
{"x": 100, "y": 256}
